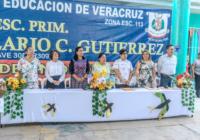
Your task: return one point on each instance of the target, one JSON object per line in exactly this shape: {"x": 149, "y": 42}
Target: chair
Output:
{"x": 41, "y": 81}
{"x": 67, "y": 80}
{"x": 44, "y": 82}
{"x": 155, "y": 83}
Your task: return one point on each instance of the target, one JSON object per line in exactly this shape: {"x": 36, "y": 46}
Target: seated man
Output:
{"x": 123, "y": 70}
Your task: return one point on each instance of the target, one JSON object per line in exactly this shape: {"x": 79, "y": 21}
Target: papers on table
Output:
{"x": 166, "y": 88}
{"x": 152, "y": 88}
{"x": 128, "y": 89}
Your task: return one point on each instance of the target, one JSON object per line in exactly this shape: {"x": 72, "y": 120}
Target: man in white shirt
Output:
{"x": 167, "y": 66}
{"x": 123, "y": 70}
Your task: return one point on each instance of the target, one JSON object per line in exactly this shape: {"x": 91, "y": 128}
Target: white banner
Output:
{"x": 75, "y": 105}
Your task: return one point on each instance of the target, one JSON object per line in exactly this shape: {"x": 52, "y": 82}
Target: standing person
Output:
{"x": 102, "y": 65}
{"x": 123, "y": 70}
{"x": 29, "y": 66}
{"x": 145, "y": 71}
{"x": 167, "y": 66}
{"x": 196, "y": 74}
{"x": 188, "y": 66}
{"x": 79, "y": 68}
{"x": 55, "y": 71}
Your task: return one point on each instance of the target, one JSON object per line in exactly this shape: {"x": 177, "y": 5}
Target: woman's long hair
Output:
{"x": 75, "y": 55}
{"x": 147, "y": 53}
{"x": 27, "y": 50}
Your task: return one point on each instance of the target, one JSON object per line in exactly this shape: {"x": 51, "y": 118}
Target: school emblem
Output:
{"x": 158, "y": 24}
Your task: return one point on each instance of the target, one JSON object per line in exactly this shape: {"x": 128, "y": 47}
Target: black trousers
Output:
{"x": 197, "y": 84}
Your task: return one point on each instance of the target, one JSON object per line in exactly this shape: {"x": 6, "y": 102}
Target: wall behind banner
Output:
{"x": 64, "y": 25}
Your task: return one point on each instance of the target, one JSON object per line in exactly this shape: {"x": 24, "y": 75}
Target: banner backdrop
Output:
{"x": 63, "y": 25}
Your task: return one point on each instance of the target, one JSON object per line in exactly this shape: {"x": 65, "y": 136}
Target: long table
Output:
{"x": 75, "y": 105}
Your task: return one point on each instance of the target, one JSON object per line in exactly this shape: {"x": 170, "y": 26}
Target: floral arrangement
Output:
{"x": 16, "y": 83}
{"x": 13, "y": 98}
{"x": 183, "y": 81}
{"x": 99, "y": 82}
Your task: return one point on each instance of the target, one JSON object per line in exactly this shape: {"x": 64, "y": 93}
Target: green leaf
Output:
{"x": 21, "y": 112}
{"x": 24, "y": 86}
{"x": 189, "y": 108}
{"x": 93, "y": 101}
{"x": 8, "y": 98}
{"x": 5, "y": 78}
{"x": 13, "y": 117}
{"x": 18, "y": 114}
{"x": 8, "y": 111}
{"x": 8, "y": 107}
{"x": 18, "y": 100}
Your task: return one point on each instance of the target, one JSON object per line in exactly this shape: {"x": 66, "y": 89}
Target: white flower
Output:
{"x": 91, "y": 86}
{"x": 9, "y": 83}
{"x": 103, "y": 80}
{"x": 98, "y": 81}
{"x": 15, "y": 75}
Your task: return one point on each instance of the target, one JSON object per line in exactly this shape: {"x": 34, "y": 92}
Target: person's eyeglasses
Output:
{"x": 31, "y": 50}
{"x": 125, "y": 53}
{"x": 55, "y": 54}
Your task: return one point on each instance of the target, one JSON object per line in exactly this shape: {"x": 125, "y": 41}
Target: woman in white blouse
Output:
{"x": 55, "y": 71}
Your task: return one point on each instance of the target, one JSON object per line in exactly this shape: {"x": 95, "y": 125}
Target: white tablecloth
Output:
{"x": 75, "y": 105}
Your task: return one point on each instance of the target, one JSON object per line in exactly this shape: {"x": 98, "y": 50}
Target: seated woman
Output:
{"x": 79, "y": 68}
{"x": 55, "y": 71}
{"x": 145, "y": 71}
{"x": 102, "y": 65}
{"x": 29, "y": 66}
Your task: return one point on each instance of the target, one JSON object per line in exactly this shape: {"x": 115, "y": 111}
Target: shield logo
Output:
{"x": 158, "y": 24}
